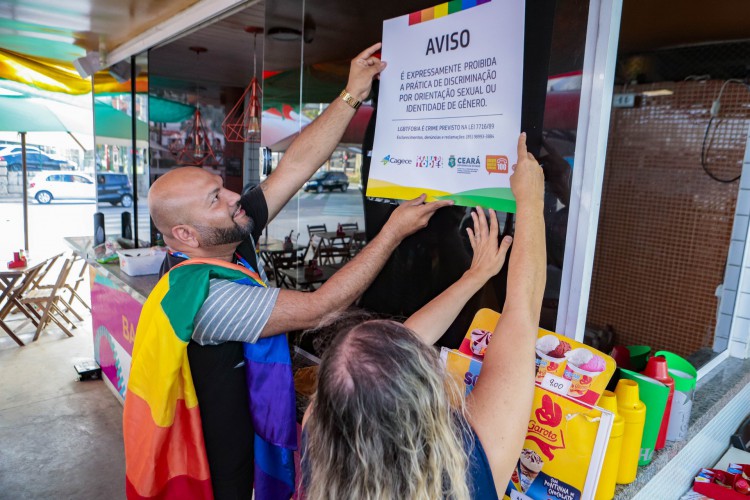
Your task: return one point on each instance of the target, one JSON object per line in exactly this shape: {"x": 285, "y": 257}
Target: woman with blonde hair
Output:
{"x": 386, "y": 422}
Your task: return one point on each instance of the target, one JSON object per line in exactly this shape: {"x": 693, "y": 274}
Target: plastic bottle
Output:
{"x": 608, "y": 477}
{"x": 685, "y": 376}
{"x": 657, "y": 369}
{"x": 633, "y": 412}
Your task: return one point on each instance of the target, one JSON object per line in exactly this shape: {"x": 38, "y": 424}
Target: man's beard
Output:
{"x": 213, "y": 236}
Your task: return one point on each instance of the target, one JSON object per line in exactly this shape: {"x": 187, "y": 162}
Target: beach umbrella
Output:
{"x": 23, "y": 115}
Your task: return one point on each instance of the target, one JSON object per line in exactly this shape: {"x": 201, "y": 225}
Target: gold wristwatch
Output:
{"x": 350, "y": 99}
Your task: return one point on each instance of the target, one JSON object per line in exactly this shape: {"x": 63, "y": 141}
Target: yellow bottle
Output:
{"x": 633, "y": 412}
{"x": 606, "y": 488}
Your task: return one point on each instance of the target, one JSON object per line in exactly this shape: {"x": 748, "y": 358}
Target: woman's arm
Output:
{"x": 500, "y": 404}
{"x": 432, "y": 320}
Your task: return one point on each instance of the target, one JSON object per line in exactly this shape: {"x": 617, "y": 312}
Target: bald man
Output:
{"x": 200, "y": 218}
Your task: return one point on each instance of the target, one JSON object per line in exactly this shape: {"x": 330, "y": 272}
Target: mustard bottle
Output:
{"x": 633, "y": 412}
{"x": 608, "y": 477}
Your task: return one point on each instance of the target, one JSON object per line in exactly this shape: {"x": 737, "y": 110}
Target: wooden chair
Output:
{"x": 344, "y": 245}
{"x": 47, "y": 303}
{"x": 75, "y": 281}
{"x": 287, "y": 260}
{"x": 318, "y": 250}
{"x": 316, "y": 228}
{"x": 71, "y": 285}
{"x": 326, "y": 253}
{"x": 359, "y": 240}
{"x": 38, "y": 280}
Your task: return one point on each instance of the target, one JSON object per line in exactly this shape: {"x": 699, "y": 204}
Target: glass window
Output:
{"x": 116, "y": 107}
{"x": 667, "y": 265}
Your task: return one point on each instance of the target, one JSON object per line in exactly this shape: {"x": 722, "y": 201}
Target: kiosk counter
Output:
{"x": 116, "y": 302}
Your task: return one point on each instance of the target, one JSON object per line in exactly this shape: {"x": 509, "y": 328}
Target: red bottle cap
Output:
{"x": 742, "y": 486}
{"x": 656, "y": 368}
{"x": 621, "y": 355}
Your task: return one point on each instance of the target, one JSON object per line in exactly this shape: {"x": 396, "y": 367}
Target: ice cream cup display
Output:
{"x": 550, "y": 356}
{"x": 531, "y": 465}
{"x": 480, "y": 339}
{"x": 582, "y": 368}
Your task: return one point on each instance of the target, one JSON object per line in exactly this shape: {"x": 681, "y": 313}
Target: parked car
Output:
{"x": 114, "y": 188}
{"x": 48, "y": 186}
{"x": 35, "y": 160}
{"x": 327, "y": 180}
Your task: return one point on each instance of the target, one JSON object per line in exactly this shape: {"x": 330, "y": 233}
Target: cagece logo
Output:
{"x": 396, "y": 161}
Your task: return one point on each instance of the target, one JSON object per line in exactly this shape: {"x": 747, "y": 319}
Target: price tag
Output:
{"x": 556, "y": 384}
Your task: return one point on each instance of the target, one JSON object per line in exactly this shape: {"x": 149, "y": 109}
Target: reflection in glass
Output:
{"x": 121, "y": 165}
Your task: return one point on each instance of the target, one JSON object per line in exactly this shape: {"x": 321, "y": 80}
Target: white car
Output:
{"x": 48, "y": 186}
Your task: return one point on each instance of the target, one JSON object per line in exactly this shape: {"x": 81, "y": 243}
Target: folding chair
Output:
{"x": 287, "y": 260}
{"x": 349, "y": 226}
{"x": 39, "y": 278}
{"x": 75, "y": 281}
{"x": 316, "y": 228}
{"x": 359, "y": 240}
{"x": 48, "y": 301}
{"x": 68, "y": 303}
{"x": 317, "y": 250}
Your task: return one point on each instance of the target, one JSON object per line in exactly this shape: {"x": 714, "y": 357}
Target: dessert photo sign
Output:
{"x": 449, "y": 106}
{"x": 563, "y": 366}
{"x": 567, "y": 435}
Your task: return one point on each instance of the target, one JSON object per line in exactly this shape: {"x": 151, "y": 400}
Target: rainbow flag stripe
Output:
{"x": 165, "y": 455}
{"x": 442, "y": 10}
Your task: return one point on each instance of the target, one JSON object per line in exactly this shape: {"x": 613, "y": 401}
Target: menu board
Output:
{"x": 449, "y": 106}
{"x": 567, "y": 435}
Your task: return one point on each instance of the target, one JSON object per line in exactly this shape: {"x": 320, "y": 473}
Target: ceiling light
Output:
{"x": 283, "y": 34}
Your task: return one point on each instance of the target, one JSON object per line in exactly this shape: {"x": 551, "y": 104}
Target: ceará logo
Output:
{"x": 396, "y": 161}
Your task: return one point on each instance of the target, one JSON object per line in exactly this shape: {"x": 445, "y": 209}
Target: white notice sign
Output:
{"x": 449, "y": 108}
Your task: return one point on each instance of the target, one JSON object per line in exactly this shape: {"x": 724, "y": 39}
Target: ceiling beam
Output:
{"x": 180, "y": 24}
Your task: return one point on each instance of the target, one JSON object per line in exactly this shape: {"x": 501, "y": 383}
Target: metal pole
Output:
{"x": 134, "y": 140}
{"x": 24, "y": 175}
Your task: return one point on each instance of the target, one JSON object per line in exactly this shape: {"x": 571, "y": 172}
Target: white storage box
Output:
{"x": 140, "y": 261}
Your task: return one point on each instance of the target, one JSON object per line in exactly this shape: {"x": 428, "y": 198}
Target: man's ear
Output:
{"x": 186, "y": 235}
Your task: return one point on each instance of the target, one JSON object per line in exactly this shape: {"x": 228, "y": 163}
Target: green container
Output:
{"x": 685, "y": 376}
{"x": 654, "y": 395}
{"x": 639, "y": 356}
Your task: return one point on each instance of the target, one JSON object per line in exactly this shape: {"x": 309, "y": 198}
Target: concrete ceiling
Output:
{"x": 649, "y": 25}
{"x": 66, "y": 29}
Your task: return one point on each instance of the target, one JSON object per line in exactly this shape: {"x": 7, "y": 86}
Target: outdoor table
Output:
{"x": 341, "y": 243}
{"x": 275, "y": 246}
{"x": 332, "y": 237}
{"x": 13, "y": 284}
{"x": 298, "y": 277}
{"x": 271, "y": 248}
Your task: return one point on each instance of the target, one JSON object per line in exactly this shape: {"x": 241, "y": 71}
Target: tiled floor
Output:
{"x": 59, "y": 438}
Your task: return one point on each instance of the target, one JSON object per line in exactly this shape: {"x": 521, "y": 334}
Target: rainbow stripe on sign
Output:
{"x": 443, "y": 10}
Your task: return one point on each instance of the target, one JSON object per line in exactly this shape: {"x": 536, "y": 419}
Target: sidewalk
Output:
{"x": 60, "y": 438}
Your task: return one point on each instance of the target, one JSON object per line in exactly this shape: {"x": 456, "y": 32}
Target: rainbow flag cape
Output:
{"x": 165, "y": 456}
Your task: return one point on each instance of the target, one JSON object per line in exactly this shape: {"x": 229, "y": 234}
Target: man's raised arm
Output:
{"x": 318, "y": 140}
{"x": 301, "y": 310}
